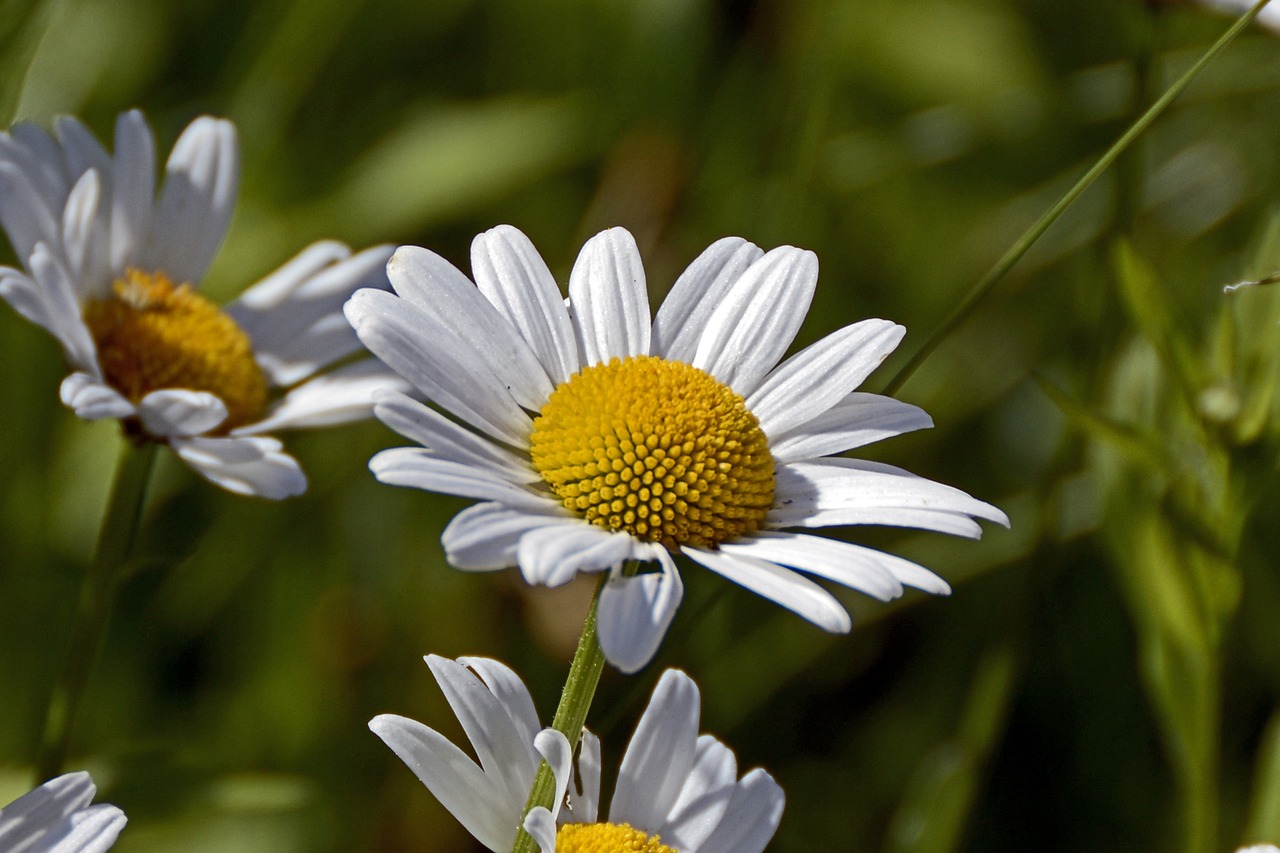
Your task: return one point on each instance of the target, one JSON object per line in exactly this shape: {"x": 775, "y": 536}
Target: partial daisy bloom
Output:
{"x": 677, "y": 792}
{"x": 1259, "y": 848}
{"x": 594, "y": 436}
{"x": 110, "y": 269}
{"x": 1269, "y": 17}
{"x": 57, "y": 818}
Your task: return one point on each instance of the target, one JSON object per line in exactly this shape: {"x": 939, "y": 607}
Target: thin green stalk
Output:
{"x": 116, "y": 539}
{"x": 993, "y": 277}
{"x": 571, "y": 714}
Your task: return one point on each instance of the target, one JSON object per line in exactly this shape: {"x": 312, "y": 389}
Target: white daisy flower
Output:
{"x": 57, "y": 818}
{"x": 594, "y": 436}
{"x": 110, "y": 268}
{"x": 677, "y": 792}
{"x": 1269, "y": 17}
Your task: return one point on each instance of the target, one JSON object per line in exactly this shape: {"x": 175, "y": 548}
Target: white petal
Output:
{"x": 90, "y": 830}
{"x": 635, "y": 613}
{"x": 512, "y": 275}
{"x": 458, "y": 312}
{"x": 510, "y": 691}
{"x": 247, "y": 466}
{"x": 29, "y": 214}
{"x": 477, "y": 801}
{"x": 841, "y": 562}
{"x": 81, "y": 152}
{"x": 92, "y": 399}
{"x": 447, "y": 440}
{"x": 607, "y": 298}
{"x": 853, "y": 491}
{"x": 449, "y": 373}
{"x": 133, "y": 187}
{"x": 552, "y": 556}
{"x": 585, "y": 803}
{"x": 486, "y": 536}
{"x": 859, "y": 420}
{"x": 505, "y": 750}
{"x": 338, "y": 397}
{"x": 554, "y": 747}
{"x": 80, "y": 228}
{"x": 819, "y": 376}
{"x": 294, "y": 316}
{"x": 416, "y": 468}
{"x": 541, "y": 826}
{"x": 194, "y": 209}
{"x": 659, "y": 756}
{"x": 680, "y": 321}
{"x": 752, "y": 817}
{"x": 783, "y": 586}
{"x": 179, "y": 412}
{"x": 61, "y": 308}
{"x": 758, "y": 318}
{"x": 704, "y": 797}
{"x": 46, "y": 805}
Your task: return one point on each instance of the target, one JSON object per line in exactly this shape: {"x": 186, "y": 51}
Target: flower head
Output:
{"x": 57, "y": 818}
{"x": 110, "y": 268}
{"x": 676, "y": 790}
{"x": 593, "y": 435}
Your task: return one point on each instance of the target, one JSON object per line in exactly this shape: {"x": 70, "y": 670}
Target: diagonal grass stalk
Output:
{"x": 987, "y": 283}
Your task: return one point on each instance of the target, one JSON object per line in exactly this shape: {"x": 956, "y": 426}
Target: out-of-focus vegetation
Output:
{"x": 1106, "y": 675}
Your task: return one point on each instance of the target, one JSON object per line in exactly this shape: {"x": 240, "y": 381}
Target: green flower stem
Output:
{"x": 93, "y": 608}
{"x": 575, "y": 701}
{"x": 993, "y": 277}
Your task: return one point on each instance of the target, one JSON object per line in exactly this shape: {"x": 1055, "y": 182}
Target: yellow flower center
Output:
{"x": 152, "y": 335}
{"x": 607, "y": 838}
{"x": 657, "y": 448}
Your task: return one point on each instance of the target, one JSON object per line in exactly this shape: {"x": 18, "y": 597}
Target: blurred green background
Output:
{"x": 1106, "y": 674}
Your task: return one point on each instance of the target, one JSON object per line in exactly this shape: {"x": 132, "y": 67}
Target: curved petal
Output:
{"x": 585, "y": 803}
{"x": 859, "y": 420}
{"x": 92, "y": 399}
{"x": 635, "y": 612}
{"x": 81, "y": 230}
{"x": 81, "y": 152}
{"x": 608, "y": 302}
{"x": 510, "y": 691}
{"x": 485, "y": 537}
{"x": 337, "y": 397}
{"x": 46, "y": 805}
{"x": 783, "y": 586}
{"x": 704, "y": 797}
{"x": 512, "y": 275}
{"x": 541, "y": 826}
{"x": 819, "y": 376}
{"x": 865, "y": 569}
{"x": 90, "y": 830}
{"x": 477, "y": 801}
{"x": 659, "y": 756}
{"x": 752, "y": 816}
{"x": 554, "y": 747}
{"x": 61, "y": 309}
{"x": 758, "y": 318}
{"x": 133, "y": 187}
{"x": 179, "y": 412}
{"x": 29, "y": 212}
{"x": 697, "y": 293}
{"x": 552, "y": 556}
{"x": 416, "y": 468}
{"x": 247, "y": 466}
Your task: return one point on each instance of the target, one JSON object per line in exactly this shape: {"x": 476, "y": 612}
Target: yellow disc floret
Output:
{"x": 607, "y": 838}
{"x": 659, "y": 449}
{"x": 153, "y": 335}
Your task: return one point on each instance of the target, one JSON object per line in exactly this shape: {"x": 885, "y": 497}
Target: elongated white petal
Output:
{"x": 57, "y": 818}
{"x": 180, "y": 412}
{"x": 133, "y": 187}
{"x": 81, "y": 152}
{"x": 660, "y": 754}
{"x": 608, "y": 301}
{"x": 554, "y": 747}
{"x": 680, "y": 321}
{"x": 90, "y": 830}
{"x": 455, "y": 310}
{"x": 752, "y": 816}
{"x": 457, "y": 379}
{"x": 247, "y": 466}
{"x": 478, "y": 802}
{"x": 820, "y": 376}
{"x": 416, "y": 468}
{"x": 552, "y": 556}
{"x": 859, "y": 420}
{"x": 28, "y": 213}
{"x": 486, "y": 537}
{"x": 758, "y": 318}
{"x": 541, "y": 826}
{"x": 92, "y": 399}
{"x": 635, "y": 613}
{"x": 46, "y": 805}
{"x": 61, "y": 308}
{"x": 80, "y": 226}
{"x": 704, "y": 797}
{"x": 512, "y": 275}
{"x": 791, "y": 590}
{"x": 337, "y": 397}
{"x": 585, "y": 802}
{"x": 510, "y": 691}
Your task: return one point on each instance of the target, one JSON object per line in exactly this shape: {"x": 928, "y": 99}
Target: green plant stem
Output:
{"x": 116, "y": 539}
{"x": 571, "y": 714}
{"x": 993, "y": 277}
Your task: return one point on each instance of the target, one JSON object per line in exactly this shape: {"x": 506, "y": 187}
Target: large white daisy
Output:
{"x": 110, "y": 268}
{"x": 57, "y": 818}
{"x": 677, "y": 792}
{"x": 594, "y": 435}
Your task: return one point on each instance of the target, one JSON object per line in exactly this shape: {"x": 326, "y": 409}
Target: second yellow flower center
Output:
{"x": 607, "y": 838}
{"x": 153, "y": 335}
{"x": 656, "y": 448}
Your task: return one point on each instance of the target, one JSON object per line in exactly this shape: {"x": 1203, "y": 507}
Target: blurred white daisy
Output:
{"x": 676, "y": 790}
{"x": 57, "y": 818}
{"x": 597, "y": 436}
{"x": 110, "y": 268}
{"x": 1259, "y": 848}
{"x": 1269, "y": 17}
